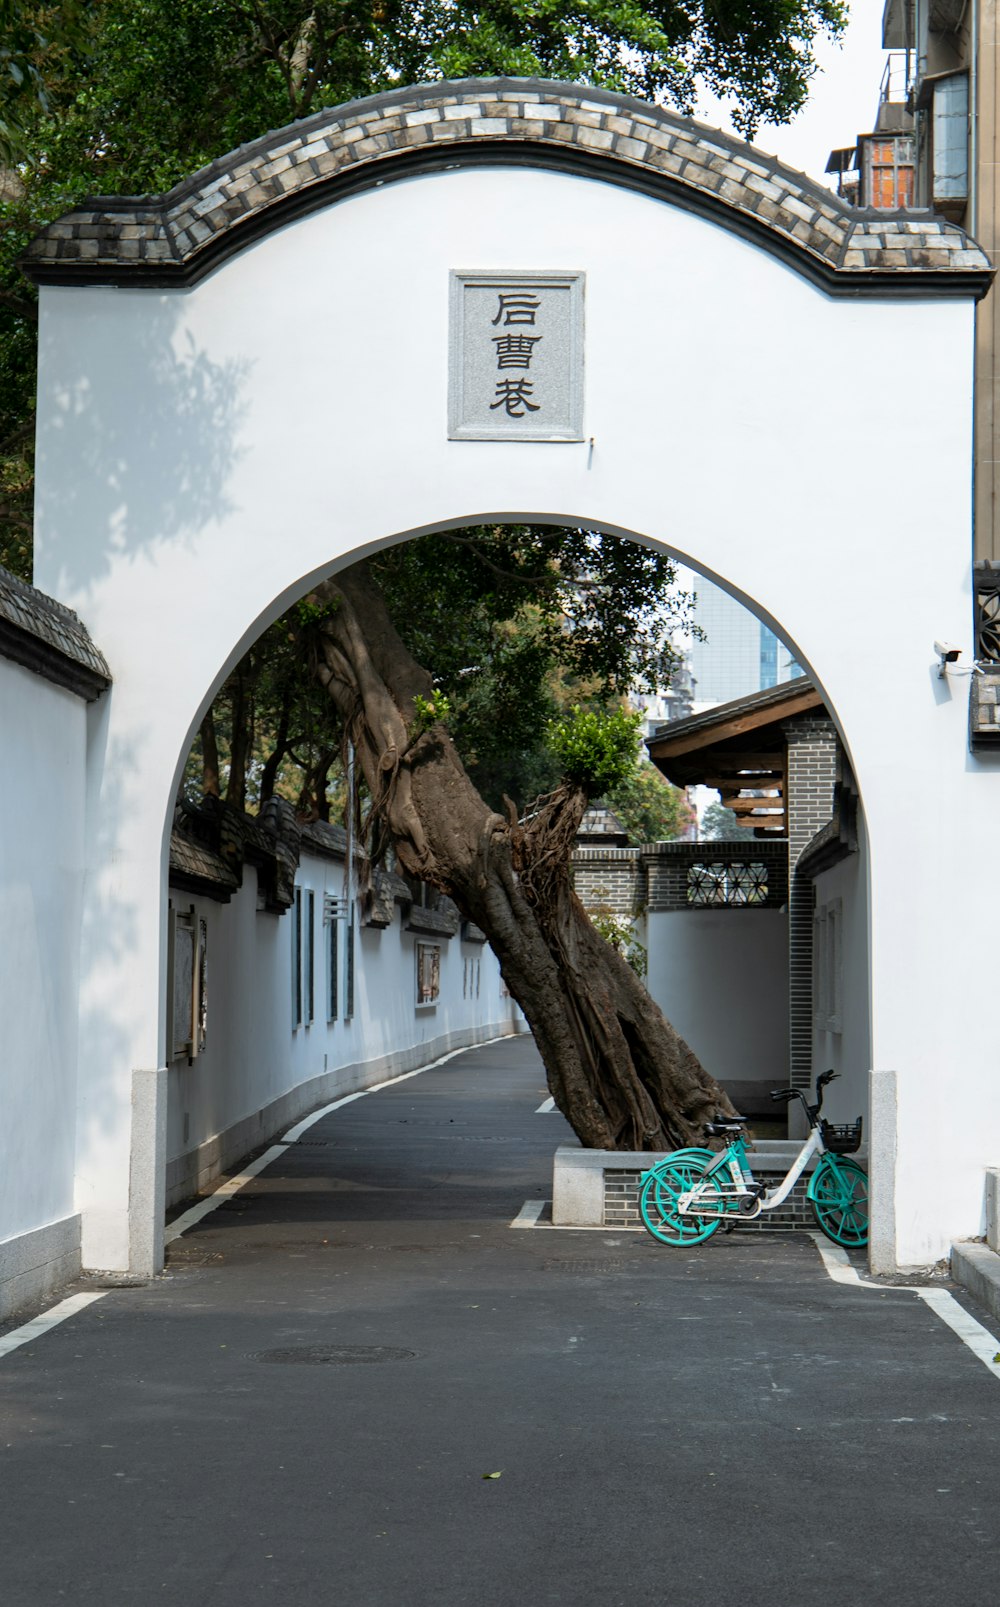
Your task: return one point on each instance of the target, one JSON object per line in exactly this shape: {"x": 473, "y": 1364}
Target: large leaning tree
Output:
{"x": 616, "y": 1068}
{"x": 128, "y": 97}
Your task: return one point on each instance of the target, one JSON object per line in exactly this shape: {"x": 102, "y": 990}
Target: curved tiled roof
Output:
{"x": 175, "y": 238}
{"x": 47, "y": 637}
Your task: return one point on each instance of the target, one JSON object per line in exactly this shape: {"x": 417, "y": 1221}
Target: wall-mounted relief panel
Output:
{"x": 516, "y": 356}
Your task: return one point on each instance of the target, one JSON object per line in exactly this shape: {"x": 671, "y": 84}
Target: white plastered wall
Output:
{"x": 721, "y": 978}
{"x": 41, "y": 888}
{"x": 202, "y": 453}
{"x": 842, "y": 890}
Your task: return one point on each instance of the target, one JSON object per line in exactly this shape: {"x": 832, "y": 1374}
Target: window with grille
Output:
{"x": 720, "y": 883}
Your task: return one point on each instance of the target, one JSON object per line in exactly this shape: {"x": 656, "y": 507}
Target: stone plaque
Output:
{"x": 516, "y": 357}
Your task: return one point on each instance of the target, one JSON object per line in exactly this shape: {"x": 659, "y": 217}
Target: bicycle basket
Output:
{"x": 842, "y": 1139}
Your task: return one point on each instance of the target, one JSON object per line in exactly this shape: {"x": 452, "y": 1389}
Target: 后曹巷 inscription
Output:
{"x": 516, "y": 357}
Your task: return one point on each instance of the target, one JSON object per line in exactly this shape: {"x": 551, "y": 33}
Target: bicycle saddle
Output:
{"x": 728, "y": 1124}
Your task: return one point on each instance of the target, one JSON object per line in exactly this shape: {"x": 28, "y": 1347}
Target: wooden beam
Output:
{"x": 748, "y": 806}
{"x": 735, "y": 795}
{"x": 730, "y": 761}
{"x": 669, "y": 747}
{"x": 757, "y": 778}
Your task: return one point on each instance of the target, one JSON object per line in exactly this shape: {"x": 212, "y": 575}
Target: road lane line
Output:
{"x": 527, "y": 1216}
{"x": 180, "y": 1225}
{"x": 41, "y": 1325}
{"x": 232, "y": 1186}
{"x": 547, "y": 1108}
{"x": 219, "y": 1196}
{"x": 295, "y": 1133}
{"x": 972, "y": 1333}
{"x": 980, "y": 1341}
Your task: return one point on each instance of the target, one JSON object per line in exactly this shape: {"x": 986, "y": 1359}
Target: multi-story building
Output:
{"x": 740, "y": 654}
{"x": 936, "y": 145}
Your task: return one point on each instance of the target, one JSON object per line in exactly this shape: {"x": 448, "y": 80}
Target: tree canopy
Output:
{"x": 520, "y": 626}
{"x": 129, "y": 96}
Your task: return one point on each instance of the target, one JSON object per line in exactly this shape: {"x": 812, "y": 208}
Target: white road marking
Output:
{"x": 836, "y": 1260}
{"x": 547, "y": 1108}
{"x": 66, "y": 1308}
{"x": 222, "y": 1193}
{"x": 980, "y": 1341}
{"x": 48, "y": 1319}
{"x": 527, "y": 1216}
{"x": 234, "y": 1184}
{"x": 531, "y": 1210}
{"x": 295, "y": 1133}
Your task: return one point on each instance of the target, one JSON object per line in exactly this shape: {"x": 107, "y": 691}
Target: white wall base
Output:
{"x": 33, "y": 1264}
{"x": 882, "y": 1119}
{"x": 197, "y": 1171}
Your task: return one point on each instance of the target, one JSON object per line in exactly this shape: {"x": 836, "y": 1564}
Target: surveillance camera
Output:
{"x": 947, "y": 652}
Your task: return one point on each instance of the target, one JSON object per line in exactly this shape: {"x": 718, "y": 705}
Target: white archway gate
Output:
{"x": 245, "y": 384}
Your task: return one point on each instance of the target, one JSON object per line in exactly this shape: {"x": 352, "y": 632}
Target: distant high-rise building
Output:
{"x": 740, "y": 654}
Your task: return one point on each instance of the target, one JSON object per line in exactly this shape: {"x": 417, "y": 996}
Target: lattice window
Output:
{"x": 717, "y": 882}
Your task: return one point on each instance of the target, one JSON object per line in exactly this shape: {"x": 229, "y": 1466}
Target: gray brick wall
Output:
{"x": 812, "y": 779}
{"x": 621, "y": 1205}
{"x": 609, "y": 879}
{"x": 667, "y": 867}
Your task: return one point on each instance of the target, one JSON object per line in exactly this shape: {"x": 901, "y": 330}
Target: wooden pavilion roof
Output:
{"x": 740, "y": 749}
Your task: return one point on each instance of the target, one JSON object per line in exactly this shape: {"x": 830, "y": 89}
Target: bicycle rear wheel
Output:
{"x": 838, "y": 1194}
{"x": 658, "y": 1202}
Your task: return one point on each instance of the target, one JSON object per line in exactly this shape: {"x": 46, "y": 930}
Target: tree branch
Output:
{"x": 21, "y": 305}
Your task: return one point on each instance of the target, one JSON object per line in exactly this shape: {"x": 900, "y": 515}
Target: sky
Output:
{"x": 842, "y": 104}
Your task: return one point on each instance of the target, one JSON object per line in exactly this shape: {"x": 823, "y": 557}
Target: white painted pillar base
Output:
{"x": 882, "y": 1131}
{"x": 993, "y": 1207}
{"x": 578, "y": 1187}
{"x": 147, "y": 1172}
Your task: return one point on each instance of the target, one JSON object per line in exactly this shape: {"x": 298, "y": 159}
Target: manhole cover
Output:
{"x": 590, "y": 1267}
{"x": 481, "y": 1138}
{"x": 190, "y": 1257}
{"x": 335, "y": 1355}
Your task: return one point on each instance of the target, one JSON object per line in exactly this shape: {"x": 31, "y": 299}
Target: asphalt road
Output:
{"x": 306, "y": 1407}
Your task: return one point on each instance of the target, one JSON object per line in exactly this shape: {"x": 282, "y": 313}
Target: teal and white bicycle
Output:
{"x": 686, "y": 1197}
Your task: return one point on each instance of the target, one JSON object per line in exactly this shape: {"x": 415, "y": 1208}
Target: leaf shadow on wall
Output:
{"x": 136, "y": 444}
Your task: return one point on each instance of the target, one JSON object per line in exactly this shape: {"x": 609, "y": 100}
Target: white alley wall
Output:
{"x": 259, "y": 1071}
{"x": 41, "y": 887}
{"x": 720, "y": 976}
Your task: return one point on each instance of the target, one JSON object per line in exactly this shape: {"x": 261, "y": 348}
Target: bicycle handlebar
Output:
{"x": 812, "y": 1111}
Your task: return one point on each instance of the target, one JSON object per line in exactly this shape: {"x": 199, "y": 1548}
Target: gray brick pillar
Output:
{"x": 809, "y": 793}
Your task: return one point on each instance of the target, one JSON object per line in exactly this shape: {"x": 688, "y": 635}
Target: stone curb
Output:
{"x": 977, "y": 1268}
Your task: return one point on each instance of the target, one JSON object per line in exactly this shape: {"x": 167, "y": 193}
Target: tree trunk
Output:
{"x": 209, "y": 757}
{"x": 617, "y": 1070}
{"x": 241, "y": 744}
{"x": 269, "y": 774}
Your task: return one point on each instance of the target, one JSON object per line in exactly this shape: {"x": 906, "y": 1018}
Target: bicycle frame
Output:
{"x": 736, "y": 1196}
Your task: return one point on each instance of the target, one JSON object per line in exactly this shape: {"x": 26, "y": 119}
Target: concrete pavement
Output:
{"x": 306, "y": 1407}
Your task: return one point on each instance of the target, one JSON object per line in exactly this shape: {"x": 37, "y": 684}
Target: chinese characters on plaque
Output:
{"x": 516, "y": 357}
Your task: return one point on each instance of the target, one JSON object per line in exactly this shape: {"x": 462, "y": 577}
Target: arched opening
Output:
{"x": 727, "y": 958}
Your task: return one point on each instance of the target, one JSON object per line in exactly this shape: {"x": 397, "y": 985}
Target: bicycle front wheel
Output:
{"x": 658, "y": 1203}
{"x": 838, "y": 1194}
